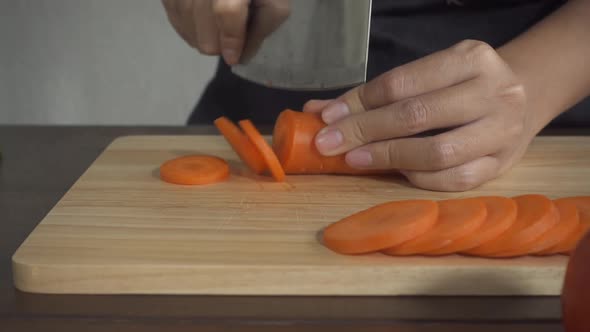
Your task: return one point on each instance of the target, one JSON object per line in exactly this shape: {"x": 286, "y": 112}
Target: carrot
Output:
{"x": 293, "y": 142}
{"x": 194, "y": 169}
{"x": 241, "y": 144}
{"x": 536, "y": 214}
{"x": 569, "y": 243}
{"x": 264, "y": 149}
{"x": 381, "y": 226}
{"x": 568, "y": 223}
{"x": 456, "y": 219}
{"x": 501, "y": 214}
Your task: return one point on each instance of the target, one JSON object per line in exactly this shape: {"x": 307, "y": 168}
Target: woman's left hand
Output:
{"x": 467, "y": 89}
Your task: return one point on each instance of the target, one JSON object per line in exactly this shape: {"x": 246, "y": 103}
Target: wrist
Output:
{"x": 551, "y": 60}
{"x": 541, "y": 106}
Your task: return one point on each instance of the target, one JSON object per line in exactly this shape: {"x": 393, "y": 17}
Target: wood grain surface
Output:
{"x": 121, "y": 230}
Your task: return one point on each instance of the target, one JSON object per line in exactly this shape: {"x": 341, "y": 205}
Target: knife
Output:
{"x": 307, "y": 44}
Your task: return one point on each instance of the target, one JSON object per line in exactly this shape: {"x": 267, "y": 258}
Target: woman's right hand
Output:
{"x": 219, "y": 26}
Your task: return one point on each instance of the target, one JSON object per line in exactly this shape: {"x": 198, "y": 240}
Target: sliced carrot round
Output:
{"x": 287, "y": 135}
{"x": 241, "y": 144}
{"x": 535, "y": 215}
{"x": 456, "y": 218}
{"x": 501, "y": 214}
{"x": 194, "y": 169}
{"x": 569, "y": 243}
{"x": 552, "y": 236}
{"x": 381, "y": 226}
{"x": 568, "y": 223}
{"x": 264, "y": 149}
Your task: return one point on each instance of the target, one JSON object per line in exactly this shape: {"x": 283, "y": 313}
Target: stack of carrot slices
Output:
{"x": 251, "y": 147}
{"x": 486, "y": 226}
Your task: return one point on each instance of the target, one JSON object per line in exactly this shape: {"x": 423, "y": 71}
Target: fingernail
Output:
{"x": 359, "y": 158}
{"x": 335, "y": 111}
{"x": 230, "y": 56}
{"x": 328, "y": 140}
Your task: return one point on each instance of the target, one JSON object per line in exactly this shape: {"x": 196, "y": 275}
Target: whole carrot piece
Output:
{"x": 293, "y": 143}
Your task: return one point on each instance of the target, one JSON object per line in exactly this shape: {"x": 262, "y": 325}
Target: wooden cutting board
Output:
{"x": 122, "y": 230}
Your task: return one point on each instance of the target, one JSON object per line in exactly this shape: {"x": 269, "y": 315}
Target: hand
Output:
{"x": 467, "y": 90}
{"x": 219, "y": 26}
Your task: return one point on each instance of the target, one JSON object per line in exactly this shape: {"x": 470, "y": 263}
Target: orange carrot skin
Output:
{"x": 294, "y": 144}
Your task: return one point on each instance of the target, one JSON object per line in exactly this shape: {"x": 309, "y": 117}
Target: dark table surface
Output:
{"x": 39, "y": 164}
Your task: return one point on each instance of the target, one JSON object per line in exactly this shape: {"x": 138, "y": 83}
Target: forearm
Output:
{"x": 553, "y": 61}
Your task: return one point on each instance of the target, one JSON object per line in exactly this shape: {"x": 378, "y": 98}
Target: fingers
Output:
{"x": 269, "y": 16}
{"x": 457, "y": 105}
{"x": 231, "y": 17}
{"x": 464, "y": 61}
{"x": 467, "y": 89}
{"x": 175, "y": 12}
{"x": 315, "y": 105}
{"x": 211, "y": 26}
{"x": 204, "y": 25}
{"x": 434, "y": 153}
{"x": 461, "y": 178}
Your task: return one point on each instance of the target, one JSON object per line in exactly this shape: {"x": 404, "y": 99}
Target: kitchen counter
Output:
{"x": 39, "y": 164}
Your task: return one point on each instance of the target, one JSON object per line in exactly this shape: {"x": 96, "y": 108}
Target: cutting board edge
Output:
{"x": 214, "y": 280}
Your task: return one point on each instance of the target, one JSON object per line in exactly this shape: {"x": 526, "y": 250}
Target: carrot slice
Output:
{"x": 535, "y": 215}
{"x": 569, "y": 243}
{"x": 194, "y": 169}
{"x": 264, "y": 149}
{"x": 381, "y": 226}
{"x": 294, "y": 143}
{"x": 456, "y": 218}
{"x": 568, "y": 223}
{"x": 241, "y": 144}
{"x": 567, "y": 220}
{"x": 501, "y": 214}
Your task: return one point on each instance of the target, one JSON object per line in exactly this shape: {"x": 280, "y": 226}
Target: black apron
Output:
{"x": 401, "y": 31}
